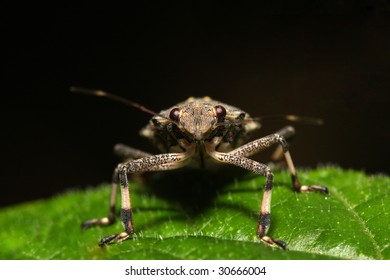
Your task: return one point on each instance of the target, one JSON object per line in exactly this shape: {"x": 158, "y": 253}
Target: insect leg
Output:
{"x": 151, "y": 163}
{"x": 105, "y": 221}
{"x": 126, "y": 153}
{"x": 287, "y": 132}
{"x": 264, "y": 220}
{"x": 266, "y": 142}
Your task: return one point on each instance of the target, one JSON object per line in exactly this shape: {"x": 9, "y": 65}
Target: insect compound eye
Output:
{"x": 220, "y": 112}
{"x": 175, "y": 114}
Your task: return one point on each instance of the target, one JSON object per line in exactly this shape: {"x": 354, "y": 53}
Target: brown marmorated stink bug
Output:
{"x": 193, "y": 132}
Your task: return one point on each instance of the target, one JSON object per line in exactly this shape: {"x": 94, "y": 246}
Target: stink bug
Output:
{"x": 195, "y": 132}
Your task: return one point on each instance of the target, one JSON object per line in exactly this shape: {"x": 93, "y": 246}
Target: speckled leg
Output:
{"x": 125, "y": 153}
{"x": 266, "y": 142}
{"x": 239, "y": 157}
{"x": 265, "y": 210}
{"x": 150, "y": 163}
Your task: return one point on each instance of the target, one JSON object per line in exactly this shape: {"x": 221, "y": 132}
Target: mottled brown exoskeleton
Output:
{"x": 195, "y": 132}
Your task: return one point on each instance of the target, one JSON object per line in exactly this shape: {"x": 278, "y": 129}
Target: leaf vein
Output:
{"x": 359, "y": 220}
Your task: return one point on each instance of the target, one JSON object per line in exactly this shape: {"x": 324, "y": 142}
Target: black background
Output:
{"x": 328, "y": 59}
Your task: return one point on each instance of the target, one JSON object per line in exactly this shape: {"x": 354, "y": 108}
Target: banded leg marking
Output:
{"x": 266, "y": 142}
{"x": 124, "y": 152}
{"x": 110, "y": 219}
{"x": 264, "y": 219}
{"x": 151, "y": 163}
{"x": 238, "y": 157}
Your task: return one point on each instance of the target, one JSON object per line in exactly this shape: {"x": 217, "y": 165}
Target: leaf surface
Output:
{"x": 206, "y": 215}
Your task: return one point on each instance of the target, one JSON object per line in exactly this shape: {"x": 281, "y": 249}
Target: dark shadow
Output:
{"x": 192, "y": 191}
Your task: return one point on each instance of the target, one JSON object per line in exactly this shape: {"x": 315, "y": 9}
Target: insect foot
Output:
{"x": 113, "y": 238}
{"x": 310, "y": 188}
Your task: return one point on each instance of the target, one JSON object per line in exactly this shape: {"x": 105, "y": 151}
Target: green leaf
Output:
{"x": 211, "y": 215}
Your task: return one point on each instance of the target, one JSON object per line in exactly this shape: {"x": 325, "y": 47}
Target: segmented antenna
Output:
{"x": 101, "y": 93}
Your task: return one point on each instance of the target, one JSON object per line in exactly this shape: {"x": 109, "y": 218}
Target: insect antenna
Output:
{"x": 101, "y": 93}
{"x": 292, "y": 118}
